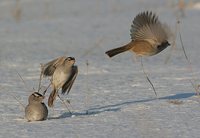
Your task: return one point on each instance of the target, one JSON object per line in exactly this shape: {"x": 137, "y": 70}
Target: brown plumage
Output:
{"x": 149, "y": 36}
{"x": 52, "y": 97}
{"x": 63, "y": 73}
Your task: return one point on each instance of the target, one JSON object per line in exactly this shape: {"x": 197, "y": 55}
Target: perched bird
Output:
{"x": 63, "y": 73}
{"x": 149, "y": 36}
{"x": 36, "y": 110}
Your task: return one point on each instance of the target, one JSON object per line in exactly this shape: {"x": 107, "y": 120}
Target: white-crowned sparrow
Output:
{"x": 63, "y": 72}
{"x": 36, "y": 110}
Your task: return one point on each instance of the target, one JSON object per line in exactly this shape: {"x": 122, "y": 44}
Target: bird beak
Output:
{"x": 168, "y": 43}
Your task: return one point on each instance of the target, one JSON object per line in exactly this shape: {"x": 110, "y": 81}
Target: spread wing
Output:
{"x": 146, "y": 26}
{"x": 68, "y": 84}
{"x": 49, "y": 68}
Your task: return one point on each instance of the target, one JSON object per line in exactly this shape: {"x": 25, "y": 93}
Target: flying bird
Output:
{"x": 63, "y": 73}
{"x": 148, "y": 37}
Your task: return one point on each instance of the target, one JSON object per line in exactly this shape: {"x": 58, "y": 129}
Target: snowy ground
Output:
{"x": 119, "y": 100}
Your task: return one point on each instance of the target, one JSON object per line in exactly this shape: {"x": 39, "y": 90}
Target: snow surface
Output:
{"x": 119, "y": 100}
{"x": 197, "y": 5}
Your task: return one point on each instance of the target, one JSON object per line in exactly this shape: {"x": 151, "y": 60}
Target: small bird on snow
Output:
{"x": 36, "y": 110}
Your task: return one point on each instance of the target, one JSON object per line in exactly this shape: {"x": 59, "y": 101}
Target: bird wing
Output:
{"x": 146, "y": 26}
{"x": 49, "y": 68}
{"x": 141, "y": 20}
{"x": 52, "y": 97}
{"x": 68, "y": 84}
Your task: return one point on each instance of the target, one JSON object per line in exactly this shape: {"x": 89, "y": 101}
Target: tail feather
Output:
{"x": 119, "y": 50}
{"x": 52, "y": 97}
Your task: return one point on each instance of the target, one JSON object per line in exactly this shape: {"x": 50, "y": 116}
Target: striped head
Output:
{"x": 70, "y": 61}
{"x": 35, "y": 98}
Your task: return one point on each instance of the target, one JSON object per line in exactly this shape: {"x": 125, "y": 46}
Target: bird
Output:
{"x": 36, "y": 110}
{"x": 63, "y": 73}
{"x": 148, "y": 37}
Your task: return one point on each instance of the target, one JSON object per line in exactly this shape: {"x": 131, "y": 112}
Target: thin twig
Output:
{"x": 87, "y": 64}
{"x": 20, "y": 103}
{"x": 22, "y": 80}
{"x": 87, "y": 93}
{"x": 147, "y": 77}
{"x": 190, "y": 64}
{"x": 186, "y": 57}
{"x": 40, "y": 79}
{"x": 64, "y": 103}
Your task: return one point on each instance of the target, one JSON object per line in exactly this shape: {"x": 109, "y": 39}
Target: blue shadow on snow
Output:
{"x": 118, "y": 106}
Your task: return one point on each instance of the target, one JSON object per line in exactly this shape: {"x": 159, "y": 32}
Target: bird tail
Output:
{"x": 52, "y": 97}
{"x": 119, "y": 50}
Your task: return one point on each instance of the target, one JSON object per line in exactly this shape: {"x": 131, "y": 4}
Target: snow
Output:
{"x": 113, "y": 99}
{"x": 197, "y": 5}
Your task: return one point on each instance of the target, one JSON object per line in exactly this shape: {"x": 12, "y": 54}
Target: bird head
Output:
{"x": 35, "y": 98}
{"x": 70, "y": 60}
{"x": 167, "y": 43}
{"x": 163, "y": 45}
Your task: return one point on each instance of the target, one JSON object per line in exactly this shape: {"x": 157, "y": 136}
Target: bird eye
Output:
{"x": 67, "y": 59}
{"x": 167, "y": 43}
{"x": 70, "y": 58}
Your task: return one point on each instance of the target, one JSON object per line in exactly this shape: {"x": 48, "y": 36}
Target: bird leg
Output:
{"x": 192, "y": 81}
{"x": 147, "y": 77}
{"x": 64, "y": 103}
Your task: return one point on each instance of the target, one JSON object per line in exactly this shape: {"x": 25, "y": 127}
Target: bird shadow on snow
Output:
{"x": 118, "y": 106}
{"x": 85, "y": 113}
{"x": 171, "y": 97}
{"x": 178, "y": 96}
